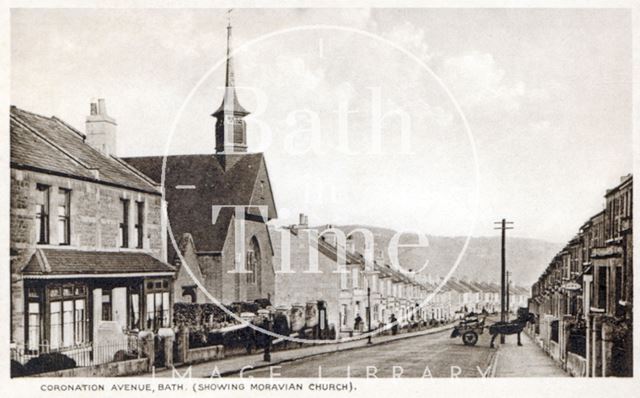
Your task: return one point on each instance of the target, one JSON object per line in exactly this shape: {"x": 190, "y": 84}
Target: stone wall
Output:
{"x": 576, "y": 365}
{"x": 204, "y": 354}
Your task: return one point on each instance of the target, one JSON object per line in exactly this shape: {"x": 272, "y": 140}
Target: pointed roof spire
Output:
{"x": 230, "y": 102}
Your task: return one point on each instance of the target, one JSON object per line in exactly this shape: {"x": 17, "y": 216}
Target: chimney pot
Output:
{"x": 102, "y": 107}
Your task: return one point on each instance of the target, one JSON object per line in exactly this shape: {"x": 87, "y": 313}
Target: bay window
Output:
{"x": 158, "y": 303}
{"x": 134, "y": 310}
{"x": 34, "y": 319}
{"x": 67, "y": 315}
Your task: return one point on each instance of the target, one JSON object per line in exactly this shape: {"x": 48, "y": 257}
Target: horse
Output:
{"x": 512, "y": 327}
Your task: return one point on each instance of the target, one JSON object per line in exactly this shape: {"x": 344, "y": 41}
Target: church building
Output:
{"x": 207, "y": 195}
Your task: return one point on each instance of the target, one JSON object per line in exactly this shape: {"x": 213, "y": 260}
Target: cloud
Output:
{"x": 477, "y": 81}
{"x": 412, "y": 39}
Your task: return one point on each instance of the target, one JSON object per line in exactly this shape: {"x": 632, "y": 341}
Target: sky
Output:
{"x": 530, "y": 108}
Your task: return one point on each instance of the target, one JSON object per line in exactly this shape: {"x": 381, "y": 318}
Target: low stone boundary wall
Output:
{"x": 203, "y": 354}
{"x": 554, "y": 350}
{"x": 576, "y": 365}
{"x": 111, "y": 369}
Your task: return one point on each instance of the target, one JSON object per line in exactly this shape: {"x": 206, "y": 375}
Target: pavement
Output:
{"x": 427, "y": 353}
{"x": 526, "y": 361}
{"x": 234, "y": 365}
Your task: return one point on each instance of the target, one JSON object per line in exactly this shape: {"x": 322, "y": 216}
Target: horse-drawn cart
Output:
{"x": 469, "y": 328}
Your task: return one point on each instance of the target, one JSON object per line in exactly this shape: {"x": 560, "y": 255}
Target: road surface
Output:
{"x": 435, "y": 355}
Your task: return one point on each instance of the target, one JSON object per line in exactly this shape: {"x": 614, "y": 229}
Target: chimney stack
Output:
{"x": 101, "y": 128}
{"x": 304, "y": 221}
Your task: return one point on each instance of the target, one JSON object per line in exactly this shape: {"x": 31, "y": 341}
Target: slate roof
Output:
{"x": 520, "y": 290}
{"x": 457, "y": 286}
{"x": 190, "y": 210}
{"x": 56, "y": 262}
{"x": 50, "y": 145}
{"x": 472, "y": 288}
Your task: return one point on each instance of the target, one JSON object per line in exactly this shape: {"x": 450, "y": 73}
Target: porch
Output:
{"x": 80, "y": 308}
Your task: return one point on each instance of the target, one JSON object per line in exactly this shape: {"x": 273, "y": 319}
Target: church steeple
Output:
{"x": 231, "y": 131}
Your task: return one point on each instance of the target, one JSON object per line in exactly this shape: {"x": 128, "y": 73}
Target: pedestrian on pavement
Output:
{"x": 358, "y": 323}
{"x": 394, "y": 322}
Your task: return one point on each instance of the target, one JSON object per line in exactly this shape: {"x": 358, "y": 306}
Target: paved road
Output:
{"x": 435, "y": 354}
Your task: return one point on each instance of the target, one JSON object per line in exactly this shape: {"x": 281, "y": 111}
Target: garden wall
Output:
{"x": 203, "y": 354}
{"x": 112, "y": 369}
{"x": 576, "y": 365}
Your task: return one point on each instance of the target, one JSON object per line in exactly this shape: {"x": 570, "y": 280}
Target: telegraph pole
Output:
{"x": 504, "y": 225}
{"x": 507, "y": 296}
{"x": 369, "y": 313}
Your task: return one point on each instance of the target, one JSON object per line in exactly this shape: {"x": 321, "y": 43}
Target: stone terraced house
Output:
{"x": 87, "y": 243}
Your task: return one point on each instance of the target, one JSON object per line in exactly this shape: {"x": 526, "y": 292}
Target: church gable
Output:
{"x": 186, "y": 288}
{"x": 262, "y": 194}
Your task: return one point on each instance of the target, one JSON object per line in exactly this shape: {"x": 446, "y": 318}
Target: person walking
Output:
{"x": 357, "y": 326}
{"x": 394, "y": 323}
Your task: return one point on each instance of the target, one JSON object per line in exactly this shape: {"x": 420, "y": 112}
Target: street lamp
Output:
{"x": 267, "y": 325}
{"x": 368, "y": 274}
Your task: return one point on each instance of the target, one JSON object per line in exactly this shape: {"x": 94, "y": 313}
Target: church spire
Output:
{"x": 231, "y": 135}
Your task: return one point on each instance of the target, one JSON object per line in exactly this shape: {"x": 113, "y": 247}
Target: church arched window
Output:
{"x": 253, "y": 261}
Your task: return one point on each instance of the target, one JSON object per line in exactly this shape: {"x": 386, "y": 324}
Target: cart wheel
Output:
{"x": 470, "y": 338}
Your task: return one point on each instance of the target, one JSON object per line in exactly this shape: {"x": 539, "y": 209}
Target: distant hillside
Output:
{"x": 526, "y": 258}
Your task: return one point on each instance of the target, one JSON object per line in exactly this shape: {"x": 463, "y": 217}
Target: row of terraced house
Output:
{"x": 583, "y": 300}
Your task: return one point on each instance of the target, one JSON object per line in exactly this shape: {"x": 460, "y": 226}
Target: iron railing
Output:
{"x": 44, "y": 357}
